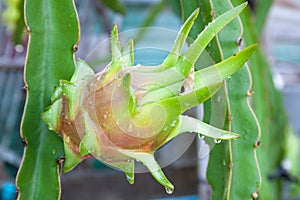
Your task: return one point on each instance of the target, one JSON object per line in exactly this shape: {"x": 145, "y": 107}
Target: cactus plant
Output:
{"x": 126, "y": 112}
{"x": 122, "y": 114}
{"x": 233, "y": 171}
{"x": 272, "y": 116}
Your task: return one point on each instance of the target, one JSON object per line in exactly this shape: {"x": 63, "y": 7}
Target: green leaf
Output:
{"x": 151, "y": 16}
{"x": 53, "y": 34}
{"x": 115, "y": 5}
{"x": 261, "y": 12}
{"x": 13, "y": 17}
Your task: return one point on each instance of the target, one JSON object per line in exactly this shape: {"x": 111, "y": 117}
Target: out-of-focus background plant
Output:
{"x": 275, "y": 69}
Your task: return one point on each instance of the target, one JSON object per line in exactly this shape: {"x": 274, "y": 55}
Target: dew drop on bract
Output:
{"x": 68, "y": 139}
{"x": 169, "y": 190}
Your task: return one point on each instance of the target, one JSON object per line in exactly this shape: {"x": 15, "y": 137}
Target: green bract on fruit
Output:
{"x": 126, "y": 112}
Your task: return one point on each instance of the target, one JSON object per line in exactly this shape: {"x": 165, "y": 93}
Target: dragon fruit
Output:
{"x": 126, "y": 112}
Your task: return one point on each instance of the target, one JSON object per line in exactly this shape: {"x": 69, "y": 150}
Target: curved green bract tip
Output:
{"x": 222, "y": 70}
{"x": 128, "y": 54}
{"x": 52, "y": 115}
{"x": 189, "y": 124}
{"x": 82, "y": 71}
{"x": 180, "y": 40}
{"x": 72, "y": 89}
{"x": 128, "y": 168}
{"x": 56, "y": 94}
{"x": 72, "y": 159}
{"x": 90, "y": 141}
{"x": 189, "y": 58}
{"x": 115, "y": 44}
{"x": 148, "y": 160}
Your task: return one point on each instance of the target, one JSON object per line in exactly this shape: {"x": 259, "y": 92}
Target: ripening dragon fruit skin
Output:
{"x": 126, "y": 112}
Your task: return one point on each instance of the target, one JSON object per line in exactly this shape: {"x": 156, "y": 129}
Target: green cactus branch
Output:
{"x": 272, "y": 116}
{"x": 53, "y": 31}
{"x": 240, "y": 156}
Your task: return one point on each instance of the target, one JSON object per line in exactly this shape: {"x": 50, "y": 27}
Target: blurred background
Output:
{"x": 91, "y": 179}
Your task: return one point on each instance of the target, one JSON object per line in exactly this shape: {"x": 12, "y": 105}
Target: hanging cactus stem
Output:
{"x": 126, "y": 112}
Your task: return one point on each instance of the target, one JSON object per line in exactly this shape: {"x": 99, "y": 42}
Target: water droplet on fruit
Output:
{"x": 67, "y": 139}
{"x": 105, "y": 116}
{"x": 217, "y": 141}
{"x": 187, "y": 104}
{"x": 169, "y": 190}
{"x": 173, "y": 123}
{"x": 165, "y": 128}
{"x": 129, "y": 128}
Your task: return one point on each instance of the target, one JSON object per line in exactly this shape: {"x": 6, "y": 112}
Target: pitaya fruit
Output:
{"x": 126, "y": 112}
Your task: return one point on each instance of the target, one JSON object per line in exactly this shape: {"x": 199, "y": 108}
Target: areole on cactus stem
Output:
{"x": 126, "y": 112}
